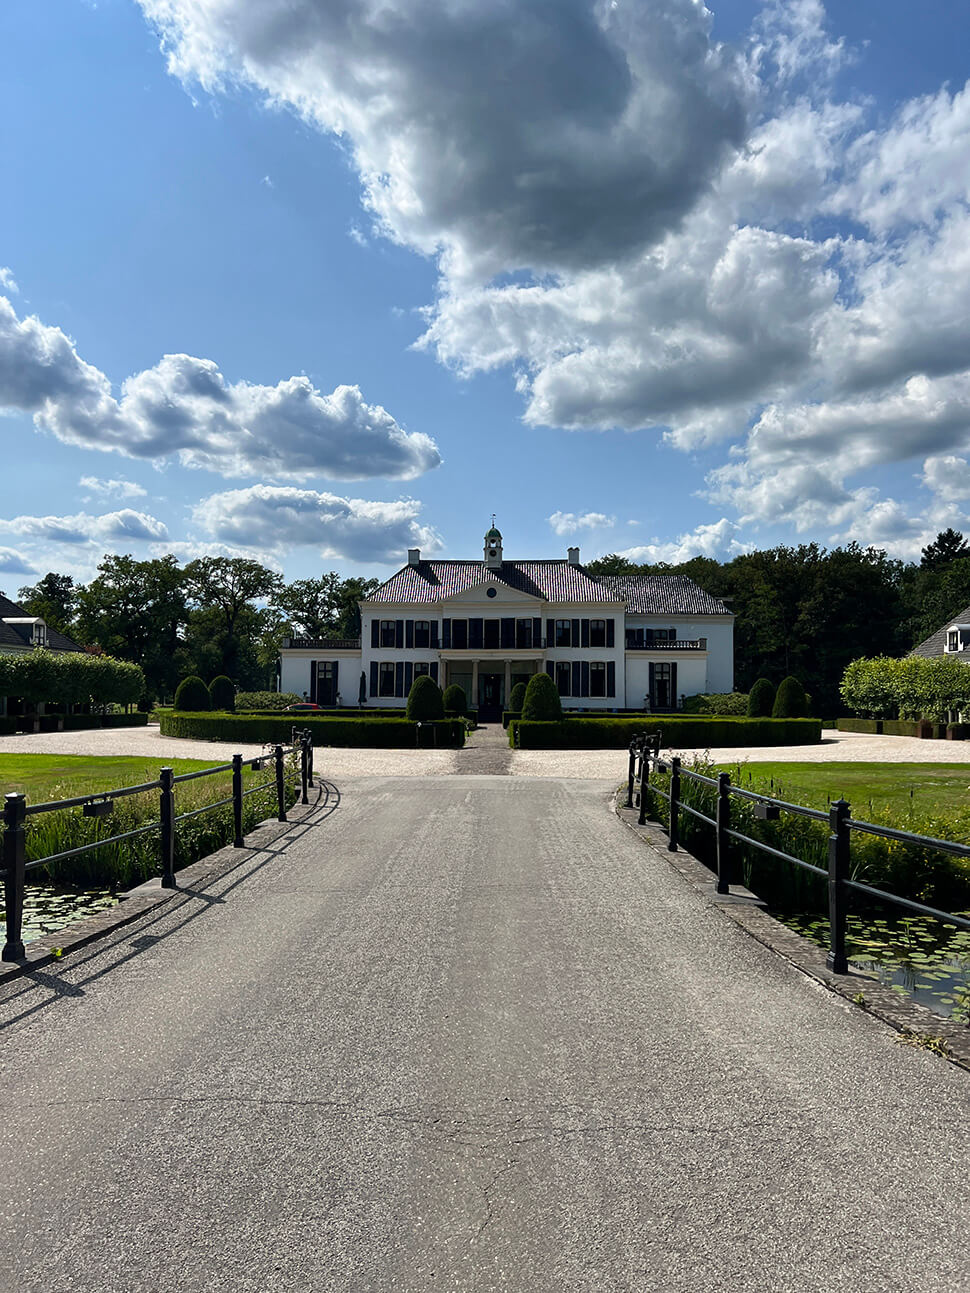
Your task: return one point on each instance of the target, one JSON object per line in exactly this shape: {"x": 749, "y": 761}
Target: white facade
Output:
{"x": 608, "y": 643}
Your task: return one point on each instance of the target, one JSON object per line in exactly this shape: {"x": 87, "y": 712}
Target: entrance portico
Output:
{"x": 488, "y": 678}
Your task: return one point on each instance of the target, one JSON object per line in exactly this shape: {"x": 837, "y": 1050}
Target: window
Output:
{"x": 661, "y": 635}
{"x": 420, "y": 668}
{"x": 388, "y": 639}
{"x": 563, "y": 675}
{"x": 662, "y": 686}
{"x": 953, "y": 640}
{"x": 386, "y": 678}
{"x": 564, "y": 633}
{"x": 597, "y": 677}
{"x": 459, "y": 634}
{"x": 523, "y": 634}
{"x": 422, "y": 633}
{"x": 597, "y": 635}
{"x": 492, "y": 634}
{"x": 40, "y": 634}
{"x": 634, "y": 637}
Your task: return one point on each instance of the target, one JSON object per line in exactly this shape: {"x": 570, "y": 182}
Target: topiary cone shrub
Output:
{"x": 761, "y": 699}
{"x": 517, "y": 698}
{"x": 192, "y": 696}
{"x": 454, "y": 700}
{"x": 541, "y": 703}
{"x": 425, "y": 703}
{"x": 790, "y": 701}
{"x": 223, "y": 694}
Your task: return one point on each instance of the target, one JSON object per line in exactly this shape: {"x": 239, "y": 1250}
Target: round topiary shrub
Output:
{"x": 761, "y": 699}
{"x": 223, "y": 693}
{"x": 454, "y": 700}
{"x": 791, "y": 701}
{"x": 192, "y": 696}
{"x": 517, "y": 698}
{"x": 541, "y": 703}
{"x": 424, "y": 700}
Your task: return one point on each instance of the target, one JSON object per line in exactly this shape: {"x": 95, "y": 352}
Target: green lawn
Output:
{"x": 63, "y": 776}
{"x": 927, "y": 787}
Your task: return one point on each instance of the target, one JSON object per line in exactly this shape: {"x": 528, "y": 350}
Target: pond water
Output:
{"x": 915, "y": 956}
{"x": 48, "y": 909}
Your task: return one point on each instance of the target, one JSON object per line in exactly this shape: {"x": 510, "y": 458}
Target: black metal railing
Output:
{"x": 16, "y": 811}
{"x": 680, "y": 644}
{"x": 645, "y": 756}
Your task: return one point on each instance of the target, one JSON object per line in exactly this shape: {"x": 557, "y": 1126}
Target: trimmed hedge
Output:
{"x": 258, "y": 701}
{"x": 874, "y": 726}
{"x": 712, "y": 733}
{"x": 192, "y": 696}
{"x": 790, "y": 699}
{"x": 542, "y": 702}
{"x": 958, "y": 732}
{"x": 425, "y": 704}
{"x": 85, "y": 722}
{"x": 222, "y": 693}
{"x": 8, "y": 726}
{"x": 454, "y": 699}
{"x": 264, "y": 729}
{"x": 761, "y": 699}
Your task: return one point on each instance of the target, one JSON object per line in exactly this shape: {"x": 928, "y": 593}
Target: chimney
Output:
{"x": 573, "y": 555}
{"x": 414, "y": 556}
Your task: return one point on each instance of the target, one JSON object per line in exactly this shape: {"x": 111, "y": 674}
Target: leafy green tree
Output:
{"x": 228, "y": 587}
{"x": 425, "y": 703}
{"x": 761, "y": 699}
{"x": 192, "y": 696}
{"x": 542, "y": 703}
{"x": 948, "y": 545}
{"x": 53, "y": 598}
{"x": 517, "y": 698}
{"x": 222, "y": 693}
{"x": 790, "y": 700}
{"x": 311, "y": 605}
{"x": 454, "y": 699}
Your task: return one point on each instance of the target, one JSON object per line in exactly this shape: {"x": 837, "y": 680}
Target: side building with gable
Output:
{"x": 608, "y": 641}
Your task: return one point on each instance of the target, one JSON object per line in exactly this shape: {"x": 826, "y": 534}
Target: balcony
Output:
{"x": 681, "y": 644}
{"x": 322, "y": 644}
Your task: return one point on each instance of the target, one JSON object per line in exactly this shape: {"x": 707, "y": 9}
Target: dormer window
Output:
{"x": 957, "y": 638}
{"x": 40, "y": 634}
{"x": 953, "y": 640}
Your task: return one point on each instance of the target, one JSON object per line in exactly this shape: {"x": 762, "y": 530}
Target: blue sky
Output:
{"x": 635, "y": 276}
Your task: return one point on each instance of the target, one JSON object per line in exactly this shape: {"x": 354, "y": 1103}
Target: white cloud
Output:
{"x": 112, "y": 488}
{"x": 271, "y": 518}
{"x": 570, "y": 522}
{"x": 719, "y": 540}
{"x": 125, "y": 525}
{"x": 7, "y": 280}
{"x": 185, "y": 407}
{"x": 13, "y": 562}
{"x": 948, "y": 477}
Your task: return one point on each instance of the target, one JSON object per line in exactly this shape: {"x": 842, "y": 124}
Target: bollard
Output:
{"x": 14, "y": 858}
{"x": 723, "y": 818}
{"x": 304, "y": 761}
{"x": 674, "y": 801}
{"x": 280, "y": 784}
{"x": 839, "y": 814}
{"x": 237, "y": 802}
{"x": 166, "y": 814}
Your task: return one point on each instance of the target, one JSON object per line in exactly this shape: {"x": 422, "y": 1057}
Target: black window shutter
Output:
{"x": 476, "y": 632}
{"x": 673, "y": 684}
{"x": 585, "y": 632}
{"x": 408, "y": 676}
{"x": 434, "y": 670}
{"x": 409, "y": 633}
{"x": 536, "y": 631}
{"x": 399, "y": 678}
{"x": 610, "y": 636}
{"x": 653, "y": 682}
{"x": 434, "y": 635}
{"x": 574, "y": 636}
{"x": 585, "y": 691}
{"x": 373, "y": 678}
{"x": 336, "y": 671}
{"x": 313, "y": 680}
{"x": 550, "y": 633}
{"x": 375, "y": 632}
{"x": 399, "y": 633}
{"x": 577, "y": 687}
{"x": 611, "y": 676}
{"x": 508, "y": 633}
{"x": 445, "y": 634}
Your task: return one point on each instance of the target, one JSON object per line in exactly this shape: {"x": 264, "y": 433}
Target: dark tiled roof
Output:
{"x": 19, "y": 635}
{"x": 552, "y": 581}
{"x": 663, "y": 595}
{"x": 934, "y": 644}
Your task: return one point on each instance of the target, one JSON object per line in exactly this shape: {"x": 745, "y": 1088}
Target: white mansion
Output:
{"x": 608, "y": 641}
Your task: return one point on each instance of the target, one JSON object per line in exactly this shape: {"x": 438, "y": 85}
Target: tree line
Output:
{"x": 214, "y": 615}
{"x": 810, "y": 611}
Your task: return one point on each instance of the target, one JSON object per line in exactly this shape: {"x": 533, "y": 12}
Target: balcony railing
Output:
{"x": 324, "y": 644}
{"x": 681, "y": 644}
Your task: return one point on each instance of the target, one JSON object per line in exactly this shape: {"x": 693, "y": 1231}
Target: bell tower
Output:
{"x": 493, "y": 548}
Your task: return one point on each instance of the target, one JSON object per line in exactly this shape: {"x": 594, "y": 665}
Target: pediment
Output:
{"x": 478, "y": 595}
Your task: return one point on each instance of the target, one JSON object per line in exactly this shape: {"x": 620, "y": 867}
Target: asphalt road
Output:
{"x": 465, "y": 1033}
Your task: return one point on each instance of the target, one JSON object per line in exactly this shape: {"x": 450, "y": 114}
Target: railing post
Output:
{"x": 839, "y": 813}
{"x": 237, "y": 802}
{"x": 631, "y": 769}
{"x": 309, "y": 748}
{"x": 674, "y": 801}
{"x": 723, "y": 817}
{"x": 280, "y": 785}
{"x": 304, "y": 768}
{"x": 14, "y": 858}
{"x": 166, "y": 806}
{"x": 644, "y": 776}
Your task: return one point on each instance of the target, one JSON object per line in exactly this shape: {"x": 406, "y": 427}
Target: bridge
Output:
{"x": 464, "y": 1032}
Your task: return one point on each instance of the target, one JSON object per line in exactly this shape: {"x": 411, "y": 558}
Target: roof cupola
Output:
{"x": 493, "y": 548}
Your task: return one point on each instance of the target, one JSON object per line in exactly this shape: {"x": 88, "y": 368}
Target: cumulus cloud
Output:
{"x": 571, "y": 522}
{"x": 184, "y": 407}
{"x": 552, "y": 135}
{"x": 112, "y": 488}
{"x": 7, "y": 280}
{"x": 13, "y": 562}
{"x": 125, "y": 525}
{"x": 718, "y": 539}
{"x": 275, "y": 518}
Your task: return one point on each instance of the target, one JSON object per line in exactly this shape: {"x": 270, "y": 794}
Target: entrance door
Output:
{"x": 491, "y": 695}
{"x": 663, "y": 685}
{"x": 326, "y": 683}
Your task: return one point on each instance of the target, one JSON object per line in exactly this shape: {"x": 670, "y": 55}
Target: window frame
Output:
{"x": 387, "y": 634}
{"x": 597, "y": 629}
{"x": 422, "y": 628}
{"x": 597, "y": 669}
{"x": 385, "y": 669}
{"x": 564, "y": 670}
{"x": 564, "y": 633}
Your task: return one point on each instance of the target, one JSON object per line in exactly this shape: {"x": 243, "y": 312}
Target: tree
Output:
{"x": 222, "y": 693}
{"x": 228, "y": 587}
{"x": 311, "y": 605}
{"x": 761, "y": 699}
{"x": 192, "y": 696}
{"x": 790, "y": 700}
{"x": 948, "y": 545}
{"x": 425, "y": 703}
{"x": 53, "y": 598}
{"x": 454, "y": 699}
{"x": 542, "y": 703}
